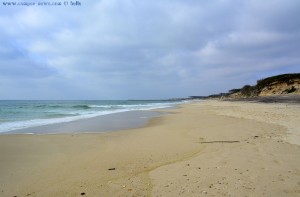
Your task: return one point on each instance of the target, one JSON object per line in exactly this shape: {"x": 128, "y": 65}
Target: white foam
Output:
{"x": 10, "y": 126}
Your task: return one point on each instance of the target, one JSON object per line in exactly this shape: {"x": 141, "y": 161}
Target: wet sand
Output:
{"x": 208, "y": 148}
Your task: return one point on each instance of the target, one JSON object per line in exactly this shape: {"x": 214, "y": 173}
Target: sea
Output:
{"x": 22, "y": 114}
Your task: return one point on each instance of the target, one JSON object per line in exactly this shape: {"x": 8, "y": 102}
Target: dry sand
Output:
{"x": 206, "y": 148}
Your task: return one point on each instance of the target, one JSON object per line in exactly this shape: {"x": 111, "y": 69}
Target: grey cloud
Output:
{"x": 15, "y": 62}
{"x": 160, "y": 49}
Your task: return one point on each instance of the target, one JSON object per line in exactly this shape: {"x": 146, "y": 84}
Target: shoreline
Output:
{"x": 103, "y": 123}
{"x": 24, "y": 116}
{"x": 202, "y": 148}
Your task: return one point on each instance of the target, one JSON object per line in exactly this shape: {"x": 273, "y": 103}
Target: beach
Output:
{"x": 203, "y": 148}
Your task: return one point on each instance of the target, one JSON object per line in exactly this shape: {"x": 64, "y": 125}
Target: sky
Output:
{"x": 144, "y": 49}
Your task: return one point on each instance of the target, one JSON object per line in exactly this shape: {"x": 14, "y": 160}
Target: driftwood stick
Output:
{"x": 209, "y": 142}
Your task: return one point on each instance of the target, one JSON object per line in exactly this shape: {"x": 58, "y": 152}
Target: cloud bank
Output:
{"x": 139, "y": 49}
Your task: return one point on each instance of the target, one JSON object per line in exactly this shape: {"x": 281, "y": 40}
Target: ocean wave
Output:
{"x": 62, "y": 106}
{"x": 40, "y": 106}
{"x": 81, "y": 106}
{"x": 48, "y": 106}
{"x": 10, "y": 126}
{"x": 71, "y": 112}
{"x": 103, "y": 106}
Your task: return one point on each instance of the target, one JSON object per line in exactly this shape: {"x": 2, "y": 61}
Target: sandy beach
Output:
{"x": 205, "y": 148}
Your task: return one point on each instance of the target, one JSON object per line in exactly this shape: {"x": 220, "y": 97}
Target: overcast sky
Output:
{"x": 145, "y": 49}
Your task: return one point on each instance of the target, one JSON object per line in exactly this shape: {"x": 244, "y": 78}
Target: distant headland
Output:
{"x": 279, "y": 88}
